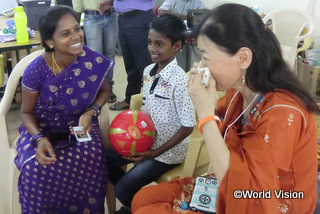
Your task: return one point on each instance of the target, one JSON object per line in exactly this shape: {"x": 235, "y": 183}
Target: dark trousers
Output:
{"x": 127, "y": 184}
{"x": 133, "y": 37}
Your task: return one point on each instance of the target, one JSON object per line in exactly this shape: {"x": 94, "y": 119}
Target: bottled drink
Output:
{"x": 1, "y": 69}
{"x": 20, "y": 20}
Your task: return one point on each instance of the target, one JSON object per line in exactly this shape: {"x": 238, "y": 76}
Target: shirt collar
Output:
{"x": 168, "y": 70}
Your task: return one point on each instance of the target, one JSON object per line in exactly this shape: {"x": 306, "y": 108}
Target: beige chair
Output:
{"x": 9, "y": 173}
{"x": 306, "y": 42}
{"x": 291, "y": 26}
{"x": 195, "y": 164}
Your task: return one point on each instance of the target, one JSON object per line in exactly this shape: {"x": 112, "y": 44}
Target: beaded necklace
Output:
{"x": 54, "y": 63}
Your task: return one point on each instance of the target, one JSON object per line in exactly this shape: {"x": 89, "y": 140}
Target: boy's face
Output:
{"x": 161, "y": 49}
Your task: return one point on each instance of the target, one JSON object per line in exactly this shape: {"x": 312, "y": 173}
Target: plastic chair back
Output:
{"x": 288, "y": 25}
{"x": 7, "y": 148}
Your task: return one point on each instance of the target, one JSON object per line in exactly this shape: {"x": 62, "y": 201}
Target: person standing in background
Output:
{"x": 101, "y": 31}
{"x": 134, "y": 20}
{"x": 180, "y": 8}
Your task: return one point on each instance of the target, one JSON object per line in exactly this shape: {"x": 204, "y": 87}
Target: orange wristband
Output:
{"x": 206, "y": 119}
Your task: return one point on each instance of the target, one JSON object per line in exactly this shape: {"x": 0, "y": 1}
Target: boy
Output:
{"x": 166, "y": 101}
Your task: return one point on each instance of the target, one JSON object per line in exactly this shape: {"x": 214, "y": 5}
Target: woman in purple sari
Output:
{"x": 64, "y": 87}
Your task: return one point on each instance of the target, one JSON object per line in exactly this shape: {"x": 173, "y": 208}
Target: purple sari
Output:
{"x": 76, "y": 182}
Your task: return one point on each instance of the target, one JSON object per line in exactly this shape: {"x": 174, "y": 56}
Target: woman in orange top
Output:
{"x": 267, "y": 143}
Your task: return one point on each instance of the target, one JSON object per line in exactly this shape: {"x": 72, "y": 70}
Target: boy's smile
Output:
{"x": 161, "y": 49}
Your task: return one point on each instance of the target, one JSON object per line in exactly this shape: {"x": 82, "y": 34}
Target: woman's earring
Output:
{"x": 243, "y": 79}
{"x": 51, "y": 46}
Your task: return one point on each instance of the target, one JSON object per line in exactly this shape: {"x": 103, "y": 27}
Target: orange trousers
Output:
{"x": 158, "y": 199}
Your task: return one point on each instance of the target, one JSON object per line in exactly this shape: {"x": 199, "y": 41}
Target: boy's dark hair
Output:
{"x": 170, "y": 26}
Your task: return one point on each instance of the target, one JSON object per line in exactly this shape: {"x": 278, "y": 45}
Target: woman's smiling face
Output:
{"x": 68, "y": 37}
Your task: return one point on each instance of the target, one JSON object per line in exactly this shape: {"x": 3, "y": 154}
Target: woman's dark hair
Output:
{"x": 49, "y": 20}
{"x": 170, "y": 26}
{"x": 232, "y": 26}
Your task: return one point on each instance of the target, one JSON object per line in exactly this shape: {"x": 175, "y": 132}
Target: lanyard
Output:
{"x": 252, "y": 101}
{"x": 155, "y": 82}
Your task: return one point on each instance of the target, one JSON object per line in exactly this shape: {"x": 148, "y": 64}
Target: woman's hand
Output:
{"x": 204, "y": 99}
{"x": 86, "y": 121}
{"x": 45, "y": 154}
{"x": 140, "y": 156}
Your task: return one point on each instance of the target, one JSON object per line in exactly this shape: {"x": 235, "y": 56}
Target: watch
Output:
{"x": 96, "y": 108}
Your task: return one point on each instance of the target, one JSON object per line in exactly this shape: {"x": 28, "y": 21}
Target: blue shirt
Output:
{"x": 123, "y": 6}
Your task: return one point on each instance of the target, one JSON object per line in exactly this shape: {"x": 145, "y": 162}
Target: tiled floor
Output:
{"x": 120, "y": 79}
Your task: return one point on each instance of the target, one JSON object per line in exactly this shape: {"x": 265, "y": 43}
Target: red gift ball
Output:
{"x": 132, "y": 131}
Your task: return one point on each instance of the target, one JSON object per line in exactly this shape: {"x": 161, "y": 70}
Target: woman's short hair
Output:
{"x": 49, "y": 20}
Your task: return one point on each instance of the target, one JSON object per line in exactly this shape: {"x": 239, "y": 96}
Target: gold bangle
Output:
{"x": 28, "y": 125}
{"x": 41, "y": 138}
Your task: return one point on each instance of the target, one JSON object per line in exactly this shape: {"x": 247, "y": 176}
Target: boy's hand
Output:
{"x": 140, "y": 156}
